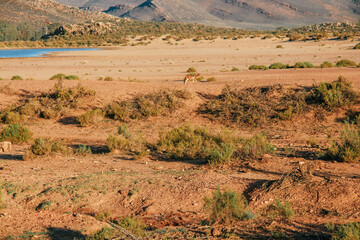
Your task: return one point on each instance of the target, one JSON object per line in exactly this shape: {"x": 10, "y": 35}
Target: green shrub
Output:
{"x": 83, "y": 150}
{"x": 108, "y": 79}
{"x": 235, "y": 69}
{"x": 258, "y": 67}
{"x": 221, "y": 154}
{"x": 349, "y": 231}
{"x": 191, "y": 70}
{"x": 225, "y": 207}
{"x": 346, "y": 63}
{"x": 16, "y": 77}
{"x": 326, "y": 64}
{"x": 279, "y": 46}
{"x": 16, "y": 133}
{"x": 357, "y": 46}
{"x": 282, "y": 209}
{"x": 144, "y": 106}
{"x": 58, "y": 76}
{"x": 347, "y": 149}
{"x": 102, "y": 216}
{"x": 303, "y": 65}
{"x": 254, "y": 147}
{"x": 211, "y": 79}
{"x": 134, "y": 225}
{"x": 91, "y": 117}
{"x": 103, "y": 234}
{"x": 278, "y": 66}
{"x": 72, "y": 77}
{"x": 123, "y": 130}
{"x": 118, "y": 143}
{"x": 9, "y": 117}
{"x": 45, "y": 147}
{"x": 336, "y": 94}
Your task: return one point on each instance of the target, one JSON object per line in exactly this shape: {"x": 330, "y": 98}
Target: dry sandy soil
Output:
{"x": 168, "y": 195}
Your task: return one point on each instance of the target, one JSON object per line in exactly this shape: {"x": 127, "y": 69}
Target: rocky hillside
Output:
{"x": 257, "y": 14}
{"x": 39, "y": 13}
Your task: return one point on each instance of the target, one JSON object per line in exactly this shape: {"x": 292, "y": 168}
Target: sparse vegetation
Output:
{"x": 83, "y": 150}
{"x": 103, "y": 234}
{"x": 91, "y": 117}
{"x": 225, "y": 206}
{"x": 134, "y": 225}
{"x": 72, "y": 77}
{"x": 45, "y": 147}
{"x": 254, "y": 147}
{"x": 282, "y": 209}
{"x": 16, "y": 133}
{"x": 211, "y": 79}
{"x": 278, "y": 66}
{"x": 346, "y": 63}
{"x": 144, "y": 106}
{"x": 191, "y": 70}
{"x": 347, "y": 148}
{"x": 16, "y": 77}
{"x": 303, "y": 65}
{"x": 59, "y": 76}
{"x": 258, "y": 67}
{"x": 235, "y": 69}
{"x": 349, "y": 231}
{"x": 357, "y": 46}
{"x": 326, "y": 64}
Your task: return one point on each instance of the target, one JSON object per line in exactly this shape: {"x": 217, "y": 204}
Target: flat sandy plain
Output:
{"x": 170, "y": 194}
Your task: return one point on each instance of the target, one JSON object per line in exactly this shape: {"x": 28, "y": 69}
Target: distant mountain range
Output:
{"x": 254, "y": 14}
{"x": 39, "y": 13}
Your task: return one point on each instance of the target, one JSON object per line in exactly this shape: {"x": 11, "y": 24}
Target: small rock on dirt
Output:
{"x": 5, "y": 146}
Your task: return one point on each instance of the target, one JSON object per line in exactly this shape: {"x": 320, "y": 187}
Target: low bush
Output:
{"x": 72, "y": 77}
{"x": 225, "y": 207}
{"x": 335, "y": 94}
{"x": 16, "y": 77}
{"x": 191, "y": 70}
{"x": 144, "y": 106}
{"x": 134, "y": 225}
{"x": 326, "y": 64}
{"x": 118, "y": 143}
{"x": 211, "y": 79}
{"x": 235, "y": 69}
{"x": 349, "y": 231}
{"x": 7, "y": 116}
{"x": 254, "y": 147}
{"x": 83, "y": 150}
{"x": 103, "y": 234}
{"x": 15, "y": 133}
{"x": 357, "y": 46}
{"x": 278, "y": 66}
{"x": 91, "y": 117}
{"x": 347, "y": 148}
{"x": 108, "y": 79}
{"x": 58, "y": 76}
{"x": 346, "y": 63}
{"x": 282, "y": 209}
{"x": 258, "y": 67}
{"x": 46, "y": 147}
{"x": 303, "y": 65}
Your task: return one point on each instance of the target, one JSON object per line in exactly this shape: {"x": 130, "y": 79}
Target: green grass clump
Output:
{"x": 91, "y": 117}
{"x": 346, "y": 63}
{"x": 211, "y": 79}
{"x": 83, "y": 150}
{"x": 59, "y": 76}
{"x": 72, "y": 77}
{"x": 187, "y": 142}
{"x": 282, "y": 209}
{"x": 46, "y": 147}
{"x": 43, "y": 205}
{"x": 191, "y": 70}
{"x": 16, "y": 77}
{"x": 235, "y": 69}
{"x": 303, "y": 65}
{"x": 336, "y": 94}
{"x": 258, "y": 67}
{"x": 254, "y": 147}
{"x": 103, "y": 234}
{"x": 278, "y": 66}
{"x": 16, "y": 133}
{"x": 225, "y": 207}
{"x": 326, "y": 64}
{"x": 8, "y": 116}
{"x": 349, "y": 231}
{"x": 134, "y": 225}
{"x": 145, "y": 106}
{"x": 347, "y": 148}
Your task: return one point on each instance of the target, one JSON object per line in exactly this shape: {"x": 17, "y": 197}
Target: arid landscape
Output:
{"x": 117, "y": 175}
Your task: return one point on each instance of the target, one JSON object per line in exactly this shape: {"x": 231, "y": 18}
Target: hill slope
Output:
{"x": 234, "y": 13}
{"x": 39, "y": 13}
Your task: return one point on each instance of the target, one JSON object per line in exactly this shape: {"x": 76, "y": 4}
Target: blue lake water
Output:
{"x": 37, "y": 52}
